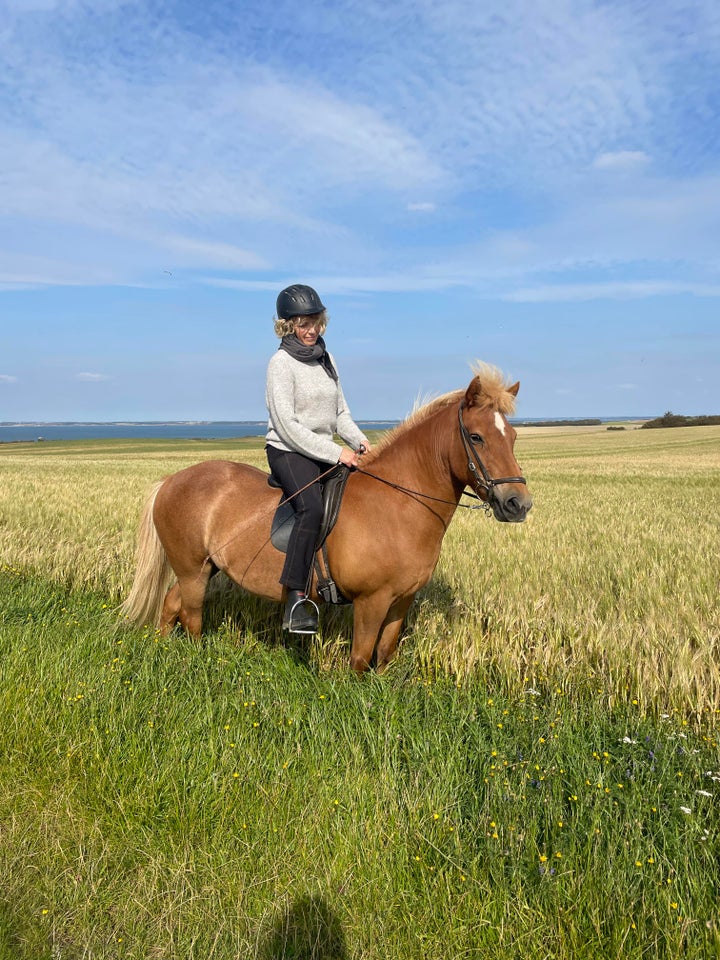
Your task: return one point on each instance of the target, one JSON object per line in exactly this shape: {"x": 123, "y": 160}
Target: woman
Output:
{"x": 306, "y": 409}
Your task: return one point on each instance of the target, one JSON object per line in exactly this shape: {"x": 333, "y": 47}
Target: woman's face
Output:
{"x": 307, "y": 329}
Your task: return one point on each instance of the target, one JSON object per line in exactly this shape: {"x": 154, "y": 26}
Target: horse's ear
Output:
{"x": 514, "y": 389}
{"x": 473, "y": 392}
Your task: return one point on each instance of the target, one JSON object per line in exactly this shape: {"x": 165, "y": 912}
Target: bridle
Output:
{"x": 481, "y": 479}
{"x": 484, "y": 483}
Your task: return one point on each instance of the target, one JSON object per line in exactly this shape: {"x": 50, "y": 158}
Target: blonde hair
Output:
{"x": 283, "y": 328}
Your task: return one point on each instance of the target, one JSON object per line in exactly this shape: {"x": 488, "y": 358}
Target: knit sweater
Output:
{"x": 307, "y": 408}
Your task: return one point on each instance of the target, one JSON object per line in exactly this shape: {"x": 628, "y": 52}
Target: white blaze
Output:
{"x": 500, "y": 422}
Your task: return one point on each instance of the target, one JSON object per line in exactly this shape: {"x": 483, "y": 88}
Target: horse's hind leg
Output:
{"x": 184, "y": 602}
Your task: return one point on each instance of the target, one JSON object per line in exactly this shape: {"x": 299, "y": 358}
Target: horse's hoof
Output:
{"x": 301, "y": 614}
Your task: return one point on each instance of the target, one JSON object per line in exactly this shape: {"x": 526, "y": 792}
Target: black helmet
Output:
{"x": 298, "y": 301}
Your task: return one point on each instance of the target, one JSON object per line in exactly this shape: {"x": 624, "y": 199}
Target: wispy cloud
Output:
{"x": 207, "y": 253}
{"x": 7, "y": 378}
{"x": 621, "y": 160}
{"x": 208, "y": 145}
{"x": 569, "y": 293}
{"x": 92, "y": 377}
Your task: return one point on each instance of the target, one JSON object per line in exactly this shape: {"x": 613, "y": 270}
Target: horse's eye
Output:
{"x": 476, "y": 438}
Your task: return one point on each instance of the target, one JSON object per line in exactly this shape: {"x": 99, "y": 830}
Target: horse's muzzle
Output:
{"x": 511, "y": 503}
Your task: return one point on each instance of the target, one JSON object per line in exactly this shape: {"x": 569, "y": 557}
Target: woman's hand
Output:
{"x": 351, "y": 458}
{"x": 348, "y": 457}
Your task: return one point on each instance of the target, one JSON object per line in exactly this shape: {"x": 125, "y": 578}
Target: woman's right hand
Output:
{"x": 348, "y": 457}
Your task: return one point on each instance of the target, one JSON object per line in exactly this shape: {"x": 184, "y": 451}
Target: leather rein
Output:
{"x": 480, "y": 477}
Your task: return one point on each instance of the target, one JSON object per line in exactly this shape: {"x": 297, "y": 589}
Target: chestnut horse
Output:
{"x": 397, "y": 506}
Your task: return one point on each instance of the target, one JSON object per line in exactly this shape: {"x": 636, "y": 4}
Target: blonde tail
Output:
{"x": 153, "y": 572}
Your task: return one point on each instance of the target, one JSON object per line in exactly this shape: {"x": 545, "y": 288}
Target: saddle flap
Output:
{"x": 333, "y": 487}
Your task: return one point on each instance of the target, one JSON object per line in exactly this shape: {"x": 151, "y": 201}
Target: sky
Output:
{"x": 531, "y": 183}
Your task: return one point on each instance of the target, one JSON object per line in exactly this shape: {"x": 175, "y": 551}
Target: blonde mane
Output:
{"x": 489, "y": 390}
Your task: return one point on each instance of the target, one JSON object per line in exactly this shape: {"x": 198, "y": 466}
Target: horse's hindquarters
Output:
{"x": 217, "y": 514}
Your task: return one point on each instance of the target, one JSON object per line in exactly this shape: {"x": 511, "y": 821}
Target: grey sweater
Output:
{"x": 307, "y": 408}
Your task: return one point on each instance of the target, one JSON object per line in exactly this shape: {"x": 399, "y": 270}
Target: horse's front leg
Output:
{"x": 370, "y": 615}
{"x": 390, "y": 632}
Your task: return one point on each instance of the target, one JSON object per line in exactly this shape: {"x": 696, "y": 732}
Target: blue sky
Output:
{"x": 533, "y": 184}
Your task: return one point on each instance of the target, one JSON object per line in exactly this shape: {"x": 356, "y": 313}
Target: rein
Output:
{"x": 484, "y": 483}
{"x": 426, "y": 496}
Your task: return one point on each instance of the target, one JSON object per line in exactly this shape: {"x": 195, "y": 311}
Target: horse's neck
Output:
{"x": 420, "y": 457}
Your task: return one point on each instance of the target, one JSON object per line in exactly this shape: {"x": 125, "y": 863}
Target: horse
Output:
{"x": 216, "y": 516}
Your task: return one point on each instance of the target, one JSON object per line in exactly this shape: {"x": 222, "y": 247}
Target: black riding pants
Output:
{"x": 295, "y": 471}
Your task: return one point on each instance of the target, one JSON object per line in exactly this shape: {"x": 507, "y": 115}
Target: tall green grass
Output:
{"x": 164, "y": 798}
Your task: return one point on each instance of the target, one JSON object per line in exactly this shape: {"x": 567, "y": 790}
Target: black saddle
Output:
{"x": 333, "y": 487}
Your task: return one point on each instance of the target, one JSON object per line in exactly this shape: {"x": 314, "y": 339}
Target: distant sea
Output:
{"x": 178, "y": 430}
{"x": 154, "y": 430}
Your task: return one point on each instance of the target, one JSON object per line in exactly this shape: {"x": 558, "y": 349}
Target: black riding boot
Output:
{"x": 301, "y": 614}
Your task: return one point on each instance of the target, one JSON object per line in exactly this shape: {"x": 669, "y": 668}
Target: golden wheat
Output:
{"x": 612, "y": 583}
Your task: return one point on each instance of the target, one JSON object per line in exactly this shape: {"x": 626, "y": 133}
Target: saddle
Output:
{"x": 333, "y": 488}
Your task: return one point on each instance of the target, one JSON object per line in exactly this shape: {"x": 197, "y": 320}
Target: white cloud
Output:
{"x": 7, "y": 378}
{"x": 345, "y": 141}
{"x": 395, "y": 282}
{"x": 92, "y": 377}
{"x": 621, "y": 160}
{"x": 573, "y": 292}
{"x": 209, "y": 152}
{"x": 221, "y": 255}
{"x": 25, "y": 271}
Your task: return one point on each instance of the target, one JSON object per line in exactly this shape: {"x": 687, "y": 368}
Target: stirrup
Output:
{"x": 299, "y": 620}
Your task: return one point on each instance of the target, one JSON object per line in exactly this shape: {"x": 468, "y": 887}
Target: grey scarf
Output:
{"x": 305, "y": 354}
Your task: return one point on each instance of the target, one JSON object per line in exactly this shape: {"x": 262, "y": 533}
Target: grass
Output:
{"x": 536, "y": 777}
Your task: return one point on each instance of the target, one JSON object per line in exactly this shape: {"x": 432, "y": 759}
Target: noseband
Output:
{"x": 481, "y": 479}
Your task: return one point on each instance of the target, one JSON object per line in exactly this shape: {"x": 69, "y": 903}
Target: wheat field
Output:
{"x": 612, "y": 583}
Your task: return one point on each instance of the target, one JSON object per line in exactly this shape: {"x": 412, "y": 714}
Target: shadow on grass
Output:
{"x": 229, "y": 607}
{"x": 306, "y": 930}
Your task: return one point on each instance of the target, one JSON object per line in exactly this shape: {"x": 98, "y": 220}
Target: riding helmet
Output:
{"x": 298, "y": 301}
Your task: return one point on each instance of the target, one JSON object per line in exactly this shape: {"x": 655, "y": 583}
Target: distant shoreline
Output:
{"x": 32, "y": 431}
{"x": 527, "y": 421}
